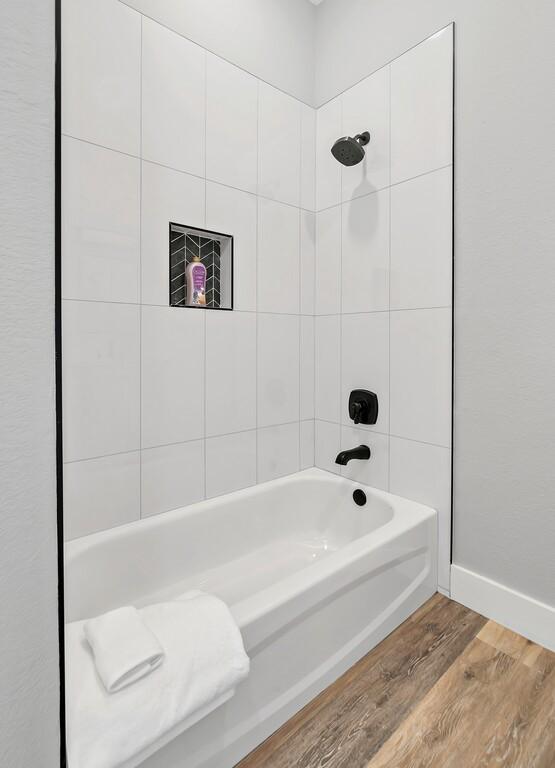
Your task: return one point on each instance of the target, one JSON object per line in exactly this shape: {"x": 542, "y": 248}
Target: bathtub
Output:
{"x": 313, "y": 580}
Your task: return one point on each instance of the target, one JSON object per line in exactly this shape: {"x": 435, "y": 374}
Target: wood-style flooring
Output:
{"x": 447, "y": 689}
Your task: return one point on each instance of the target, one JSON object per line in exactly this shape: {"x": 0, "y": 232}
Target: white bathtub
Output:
{"x": 313, "y": 580}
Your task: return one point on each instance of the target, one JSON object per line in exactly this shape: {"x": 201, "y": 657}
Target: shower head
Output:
{"x": 350, "y": 151}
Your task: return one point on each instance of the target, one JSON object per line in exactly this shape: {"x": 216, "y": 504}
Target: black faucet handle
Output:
{"x": 363, "y": 406}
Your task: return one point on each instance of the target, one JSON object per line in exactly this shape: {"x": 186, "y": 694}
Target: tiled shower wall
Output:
{"x": 165, "y": 406}
{"x": 384, "y": 279}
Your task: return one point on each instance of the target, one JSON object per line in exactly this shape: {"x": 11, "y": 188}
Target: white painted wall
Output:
{"x": 383, "y": 280}
{"x": 28, "y": 572}
{"x": 272, "y": 39}
{"x": 505, "y": 270}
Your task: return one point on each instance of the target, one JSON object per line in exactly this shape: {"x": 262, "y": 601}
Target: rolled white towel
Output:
{"x": 124, "y": 648}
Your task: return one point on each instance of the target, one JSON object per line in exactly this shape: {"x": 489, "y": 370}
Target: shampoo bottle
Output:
{"x": 196, "y": 283}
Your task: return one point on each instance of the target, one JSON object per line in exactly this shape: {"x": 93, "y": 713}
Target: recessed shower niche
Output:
{"x": 201, "y": 268}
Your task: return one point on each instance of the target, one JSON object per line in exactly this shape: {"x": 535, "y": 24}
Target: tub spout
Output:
{"x": 361, "y": 452}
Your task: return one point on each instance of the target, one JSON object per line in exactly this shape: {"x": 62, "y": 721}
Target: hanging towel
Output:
{"x": 123, "y": 647}
{"x": 204, "y": 662}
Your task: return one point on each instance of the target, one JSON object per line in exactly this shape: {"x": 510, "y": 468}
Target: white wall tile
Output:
{"x": 421, "y": 245}
{"x": 308, "y": 261}
{"x": 278, "y": 451}
{"x": 231, "y": 125}
{"x": 230, "y": 463}
{"x": 230, "y": 372}
{"x": 327, "y": 299}
{"x": 279, "y": 145}
{"x": 423, "y": 473}
{"x": 100, "y": 379}
{"x": 101, "y": 83}
{"x": 366, "y": 108}
{"x": 421, "y": 375}
{"x": 278, "y": 369}
{"x": 278, "y": 257}
{"x": 365, "y": 253}
{"x": 307, "y": 444}
{"x": 167, "y": 196}
{"x": 422, "y": 107}
{"x": 327, "y": 368}
{"x": 328, "y": 170}
{"x": 307, "y": 367}
{"x": 308, "y": 157}
{"x": 365, "y": 363}
{"x": 173, "y": 99}
{"x": 101, "y": 493}
{"x": 101, "y": 223}
{"x": 172, "y": 358}
{"x": 375, "y": 471}
{"x": 327, "y": 441}
{"x": 172, "y": 476}
{"x": 233, "y": 212}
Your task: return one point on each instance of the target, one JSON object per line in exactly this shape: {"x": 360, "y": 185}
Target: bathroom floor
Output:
{"x": 447, "y": 689}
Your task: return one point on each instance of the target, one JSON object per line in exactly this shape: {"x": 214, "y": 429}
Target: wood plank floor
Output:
{"x": 447, "y": 689}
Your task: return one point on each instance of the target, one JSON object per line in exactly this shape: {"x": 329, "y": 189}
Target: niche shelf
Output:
{"x": 215, "y": 250}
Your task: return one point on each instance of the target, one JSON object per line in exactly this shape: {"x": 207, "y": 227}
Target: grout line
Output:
{"x": 141, "y": 277}
{"x": 300, "y": 282}
{"x": 257, "y": 253}
{"x": 365, "y": 428}
{"x": 389, "y": 302}
{"x": 217, "y": 55}
{"x": 385, "y": 64}
{"x": 205, "y": 315}
{"x": 205, "y": 178}
{"x": 341, "y": 404}
{"x": 193, "y": 440}
{"x": 387, "y": 186}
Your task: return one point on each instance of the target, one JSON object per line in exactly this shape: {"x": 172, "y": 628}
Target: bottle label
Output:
{"x": 198, "y": 276}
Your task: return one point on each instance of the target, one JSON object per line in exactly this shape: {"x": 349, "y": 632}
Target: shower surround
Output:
{"x": 342, "y": 275}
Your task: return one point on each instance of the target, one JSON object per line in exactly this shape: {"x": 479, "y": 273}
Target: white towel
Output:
{"x": 205, "y": 661}
{"x": 123, "y": 647}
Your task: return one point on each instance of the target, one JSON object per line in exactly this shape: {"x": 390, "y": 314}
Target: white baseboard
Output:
{"x": 512, "y": 609}
{"x": 443, "y": 591}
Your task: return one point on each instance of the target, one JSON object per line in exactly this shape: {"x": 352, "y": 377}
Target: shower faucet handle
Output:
{"x": 363, "y": 406}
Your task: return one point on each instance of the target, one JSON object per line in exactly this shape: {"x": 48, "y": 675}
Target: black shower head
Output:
{"x": 350, "y": 151}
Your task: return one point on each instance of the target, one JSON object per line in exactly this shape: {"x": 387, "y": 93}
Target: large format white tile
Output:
{"x": 172, "y": 358}
{"x": 308, "y": 261}
{"x": 422, "y": 473}
{"x": 172, "y": 476}
{"x": 101, "y": 493}
{"x": 328, "y": 169}
{"x": 308, "y": 157}
{"x": 422, "y": 107}
{"x": 279, "y": 145}
{"x": 307, "y": 444}
{"x": 101, "y": 223}
{"x": 231, "y": 125}
{"x": 365, "y": 363}
{"x": 100, "y": 379}
{"x": 420, "y": 387}
{"x": 278, "y": 369}
{"x": 327, "y": 442}
{"x": 278, "y": 257}
{"x": 366, "y": 108}
{"x": 230, "y": 372}
{"x": 327, "y": 298}
{"x": 101, "y": 81}
{"x": 421, "y": 245}
{"x": 365, "y": 253}
{"x": 374, "y": 471}
{"x": 167, "y": 196}
{"x": 327, "y": 368}
{"x": 278, "y": 451}
{"x": 230, "y": 463}
{"x": 173, "y": 99}
{"x": 307, "y": 367}
{"x": 233, "y": 212}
